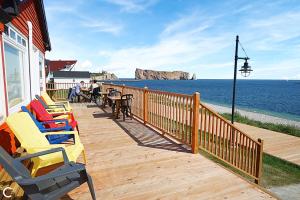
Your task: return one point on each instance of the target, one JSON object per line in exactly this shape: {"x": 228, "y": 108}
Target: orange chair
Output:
{"x": 7, "y": 139}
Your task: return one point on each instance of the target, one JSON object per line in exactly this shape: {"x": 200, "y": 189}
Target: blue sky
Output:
{"x": 197, "y": 36}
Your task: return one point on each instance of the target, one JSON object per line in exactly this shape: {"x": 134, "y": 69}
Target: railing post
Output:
{"x": 195, "y": 127}
{"x": 145, "y": 105}
{"x": 123, "y": 87}
{"x": 259, "y": 161}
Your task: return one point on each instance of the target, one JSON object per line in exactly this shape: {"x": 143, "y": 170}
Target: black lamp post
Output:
{"x": 245, "y": 71}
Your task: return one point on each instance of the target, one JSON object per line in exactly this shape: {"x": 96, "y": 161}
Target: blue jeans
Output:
{"x": 72, "y": 95}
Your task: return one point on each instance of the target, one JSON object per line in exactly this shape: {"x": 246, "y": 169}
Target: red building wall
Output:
{"x": 29, "y": 11}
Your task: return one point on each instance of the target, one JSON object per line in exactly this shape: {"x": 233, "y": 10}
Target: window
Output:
{"x": 19, "y": 39}
{"x": 42, "y": 71}
{"x": 14, "y": 36}
{"x": 2, "y": 98}
{"x": 14, "y": 74}
{"x": 41, "y": 65}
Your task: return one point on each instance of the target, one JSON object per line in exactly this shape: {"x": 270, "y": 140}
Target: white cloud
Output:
{"x": 294, "y": 77}
{"x": 191, "y": 24}
{"x": 201, "y": 41}
{"x": 85, "y": 64}
{"x": 133, "y": 5}
{"x": 278, "y": 27}
{"x": 52, "y": 8}
{"x": 102, "y": 26}
{"x": 75, "y": 11}
{"x": 177, "y": 49}
{"x": 283, "y": 69}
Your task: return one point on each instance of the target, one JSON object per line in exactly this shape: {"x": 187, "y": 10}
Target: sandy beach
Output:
{"x": 255, "y": 115}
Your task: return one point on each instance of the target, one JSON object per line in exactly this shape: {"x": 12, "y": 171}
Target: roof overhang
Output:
{"x": 45, "y": 26}
{"x": 10, "y": 9}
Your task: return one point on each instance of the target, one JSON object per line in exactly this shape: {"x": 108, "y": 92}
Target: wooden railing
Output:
{"x": 60, "y": 91}
{"x": 189, "y": 121}
{"x": 138, "y": 100}
{"x": 171, "y": 113}
{"x": 225, "y": 141}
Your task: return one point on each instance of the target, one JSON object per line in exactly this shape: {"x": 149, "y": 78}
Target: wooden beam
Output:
{"x": 195, "y": 128}
{"x": 259, "y": 161}
{"x": 145, "y": 105}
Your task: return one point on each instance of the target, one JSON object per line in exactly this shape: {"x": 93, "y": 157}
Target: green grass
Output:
{"x": 287, "y": 129}
{"x": 277, "y": 172}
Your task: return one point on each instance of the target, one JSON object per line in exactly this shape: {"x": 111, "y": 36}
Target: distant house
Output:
{"x": 71, "y": 76}
{"x": 58, "y": 65}
{"x": 24, "y": 39}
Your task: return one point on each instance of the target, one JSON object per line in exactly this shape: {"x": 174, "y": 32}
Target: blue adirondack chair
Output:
{"x": 53, "y": 139}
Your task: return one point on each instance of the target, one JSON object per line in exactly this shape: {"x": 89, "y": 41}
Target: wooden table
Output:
{"x": 87, "y": 93}
{"x": 117, "y": 101}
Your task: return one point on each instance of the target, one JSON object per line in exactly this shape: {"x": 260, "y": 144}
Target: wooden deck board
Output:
{"x": 130, "y": 161}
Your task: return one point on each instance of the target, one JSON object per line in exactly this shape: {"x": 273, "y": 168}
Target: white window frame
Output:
{"x": 26, "y": 77}
{"x": 43, "y": 78}
{"x": 2, "y": 93}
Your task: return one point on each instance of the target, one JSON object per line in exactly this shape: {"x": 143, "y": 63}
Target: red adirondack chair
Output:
{"x": 43, "y": 116}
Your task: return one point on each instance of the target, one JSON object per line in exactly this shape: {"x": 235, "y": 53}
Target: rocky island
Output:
{"x": 141, "y": 74}
{"x": 104, "y": 75}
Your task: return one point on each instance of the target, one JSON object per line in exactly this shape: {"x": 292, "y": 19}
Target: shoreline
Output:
{"x": 255, "y": 115}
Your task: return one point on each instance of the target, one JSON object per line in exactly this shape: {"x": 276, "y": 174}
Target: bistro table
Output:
{"x": 117, "y": 101}
{"x": 86, "y": 92}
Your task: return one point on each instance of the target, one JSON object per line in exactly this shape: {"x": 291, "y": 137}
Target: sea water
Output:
{"x": 279, "y": 98}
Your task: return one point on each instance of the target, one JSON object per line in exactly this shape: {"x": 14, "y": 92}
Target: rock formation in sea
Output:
{"x": 160, "y": 75}
{"x": 104, "y": 75}
{"x": 194, "y": 77}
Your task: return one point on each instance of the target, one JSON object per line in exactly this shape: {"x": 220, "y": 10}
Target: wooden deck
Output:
{"x": 130, "y": 161}
{"x": 281, "y": 145}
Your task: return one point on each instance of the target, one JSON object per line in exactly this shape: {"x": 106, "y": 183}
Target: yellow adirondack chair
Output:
{"x": 32, "y": 140}
{"x": 49, "y": 101}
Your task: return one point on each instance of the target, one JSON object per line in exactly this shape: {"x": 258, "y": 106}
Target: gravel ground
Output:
{"x": 255, "y": 115}
{"x": 290, "y": 192}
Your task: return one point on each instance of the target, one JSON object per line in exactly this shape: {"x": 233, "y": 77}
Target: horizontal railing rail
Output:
{"x": 170, "y": 113}
{"x": 60, "y": 91}
{"x": 188, "y": 120}
{"x": 225, "y": 141}
{"x": 191, "y": 122}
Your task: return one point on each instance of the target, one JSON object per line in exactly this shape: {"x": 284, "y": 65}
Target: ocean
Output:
{"x": 278, "y": 98}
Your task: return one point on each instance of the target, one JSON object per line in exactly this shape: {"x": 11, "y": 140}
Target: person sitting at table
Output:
{"x": 76, "y": 91}
{"x": 94, "y": 91}
{"x": 93, "y": 85}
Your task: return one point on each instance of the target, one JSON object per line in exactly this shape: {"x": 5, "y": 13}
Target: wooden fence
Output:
{"x": 225, "y": 141}
{"x": 59, "y": 91}
{"x": 191, "y": 122}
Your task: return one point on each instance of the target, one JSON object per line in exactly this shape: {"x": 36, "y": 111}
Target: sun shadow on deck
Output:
{"x": 141, "y": 134}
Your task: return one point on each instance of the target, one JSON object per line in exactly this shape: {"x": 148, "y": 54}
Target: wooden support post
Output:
{"x": 145, "y": 105}
{"x": 259, "y": 161}
{"x": 123, "y": 87}
{"x": 195, "y": 128}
